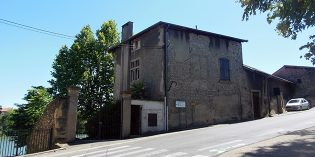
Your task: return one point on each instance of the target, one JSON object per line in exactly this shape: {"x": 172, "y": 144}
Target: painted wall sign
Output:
{"x": 180, "y": 104}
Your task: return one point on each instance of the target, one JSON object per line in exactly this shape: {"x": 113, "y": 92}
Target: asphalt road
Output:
{"x": 204, "y": 142}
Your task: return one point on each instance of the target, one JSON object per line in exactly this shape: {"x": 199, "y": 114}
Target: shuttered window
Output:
{"x": 224, "y": 69}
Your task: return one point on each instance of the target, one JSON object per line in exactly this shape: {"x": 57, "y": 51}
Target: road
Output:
{"x": 204, "y": 142}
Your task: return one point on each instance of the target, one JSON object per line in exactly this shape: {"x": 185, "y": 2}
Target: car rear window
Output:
{"x": 294, "y": 101}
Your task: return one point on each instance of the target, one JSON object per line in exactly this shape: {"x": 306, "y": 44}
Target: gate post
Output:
{"x": 126, "y": 114}
{"x": 71, "y": 127}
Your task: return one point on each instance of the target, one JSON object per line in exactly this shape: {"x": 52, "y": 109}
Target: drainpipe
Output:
{"x": 268, "y": 95}
{"x": 165, "y": 77}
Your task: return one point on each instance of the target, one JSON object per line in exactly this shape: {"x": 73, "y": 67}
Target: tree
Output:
{"x": 293, "y": 17}
{"x": 89, "y": 65}
{"x": 26, "y": 115}
{"x": 137, "y": 90}
{"x": 6, "y": 121}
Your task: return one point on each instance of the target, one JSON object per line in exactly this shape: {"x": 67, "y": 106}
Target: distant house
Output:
{"x": 4, "y": 111}
{"x": 304, "y": 79}
{"x": 192, "y": 78}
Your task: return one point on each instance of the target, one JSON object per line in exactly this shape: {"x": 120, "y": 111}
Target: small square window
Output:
{"x": 136, "y": 45}
{"x": 276, "y": 91}
{"x": 152, "y": 119}
{"x": 299, "y": 81}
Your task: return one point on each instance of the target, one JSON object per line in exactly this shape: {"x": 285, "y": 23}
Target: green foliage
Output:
{"x": 6, "y": 121}
{"x": 137, "y": 90}
{"x": 26, "y": 116}
{"x": 293, "y": 16}
{"x": 89, "y": 65}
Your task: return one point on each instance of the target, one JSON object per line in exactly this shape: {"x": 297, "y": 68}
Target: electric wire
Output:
{"x": 34, "y": 29}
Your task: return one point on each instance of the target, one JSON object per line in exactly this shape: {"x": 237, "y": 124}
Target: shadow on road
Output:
{"x": 302, "y": 145}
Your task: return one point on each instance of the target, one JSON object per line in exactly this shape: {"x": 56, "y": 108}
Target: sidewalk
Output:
{"x": 295, "y": 144}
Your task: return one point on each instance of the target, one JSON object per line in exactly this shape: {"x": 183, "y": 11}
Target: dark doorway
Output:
{"x": 135, "y": 124}
{"x": 256, "y": 104}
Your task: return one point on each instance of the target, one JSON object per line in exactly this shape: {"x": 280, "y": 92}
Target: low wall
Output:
{"x": 46, "y": 123}
{"x": 57, "y": 124}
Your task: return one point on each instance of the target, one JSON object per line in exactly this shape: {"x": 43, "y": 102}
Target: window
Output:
{"x": 299, "y": 81}
{"x": 152, "y": 119}
{"x": 276, "y": 91}
{"x": 217, "y": 43}
{"x": 224, "y": 69}
{"x": 136, "y": 45}
{"x": 135, "y": 70}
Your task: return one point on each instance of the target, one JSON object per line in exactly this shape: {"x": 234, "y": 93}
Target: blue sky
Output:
{"x": 26, "y": 57}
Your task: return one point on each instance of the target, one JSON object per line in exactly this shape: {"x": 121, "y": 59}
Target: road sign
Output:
{"x": 180, "y": 104}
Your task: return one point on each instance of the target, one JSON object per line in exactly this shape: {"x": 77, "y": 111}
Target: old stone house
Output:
{"x": 191, "y": 78}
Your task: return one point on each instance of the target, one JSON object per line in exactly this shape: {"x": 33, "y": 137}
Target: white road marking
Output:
{"x": 115, "y": 152}
{"x": 129, "y": 141}
{"x": 274, "y": 131}
{"x": 101, "y": 151}
{"x": 222, "y": 144}
{"x": 153, "y": 153}
{"x": 216, "y": 151}
{"x": 134, "y": 152}
{"x": 309, "y": 122}
{"x": 238, "y": 145}
{"x": 222, "y": 150}
{"x": 282, "y": 131}
{"x": 174, "y": 154}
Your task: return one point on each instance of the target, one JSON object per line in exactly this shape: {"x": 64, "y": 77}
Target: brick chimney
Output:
{"x": 127, "y": 30}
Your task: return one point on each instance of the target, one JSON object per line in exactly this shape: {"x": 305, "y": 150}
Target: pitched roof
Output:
{"x": 5, "y": 109}
{"x": 178, "y": 27}
{"x": 295, "y": 67}
{"x": 246, "y": 67}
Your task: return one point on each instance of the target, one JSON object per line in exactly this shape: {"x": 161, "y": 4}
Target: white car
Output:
{"x": 297, "y": 104}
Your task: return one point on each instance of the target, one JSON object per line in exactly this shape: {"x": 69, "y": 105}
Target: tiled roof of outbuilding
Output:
{"x": 246, "y": 67}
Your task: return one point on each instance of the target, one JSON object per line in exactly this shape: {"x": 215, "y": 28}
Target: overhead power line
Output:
{"x": 34, "y": 29}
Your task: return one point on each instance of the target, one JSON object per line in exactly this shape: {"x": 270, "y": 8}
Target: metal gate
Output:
{"x": 104, "y": 124}
{"x": 21, "y": 142}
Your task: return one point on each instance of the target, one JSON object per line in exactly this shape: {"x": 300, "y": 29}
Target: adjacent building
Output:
{"x": 304, "y": 79}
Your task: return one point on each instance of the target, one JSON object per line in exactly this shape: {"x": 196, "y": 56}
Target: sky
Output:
{"x": 26, "y": 57}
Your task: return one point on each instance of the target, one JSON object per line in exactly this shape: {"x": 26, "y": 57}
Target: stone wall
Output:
{"x": 270, "y": 103}
{"x": 303, "y": 77}
{"x": 150, "y": 54}
{"x": 306, "y": 88}
{"x": 51, "y": 124}
{"x": 57, "y": 124}
{"x": 194, "y": 77}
